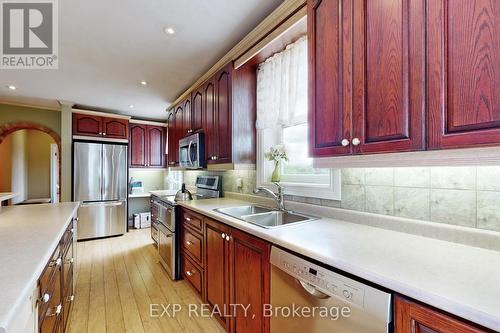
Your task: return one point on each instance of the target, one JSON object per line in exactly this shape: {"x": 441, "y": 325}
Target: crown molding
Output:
{"x": 100, "y": 114}
{"x": 148, "y": 122}
{"x": 65, "y": 103}
{"x": 33, "y": 106}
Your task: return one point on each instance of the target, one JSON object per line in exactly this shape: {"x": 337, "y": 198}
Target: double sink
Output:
{"x": 264, "y": 217}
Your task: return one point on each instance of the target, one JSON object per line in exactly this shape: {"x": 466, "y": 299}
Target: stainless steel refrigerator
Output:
{"x": 100, "y": 183}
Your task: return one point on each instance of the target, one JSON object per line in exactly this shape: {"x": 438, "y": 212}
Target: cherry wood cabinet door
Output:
{"x": 223, "y": 122}
{"x": 250, "y": 281}
{"x": 389, "y": 76}
{"x": 175, "y": 128}
{"x": 138, "y": 146}
{"x": 411, "y": 317}
{"x": 463, "y": 72}
{"x": 186, "y": 118}
{"x": 209, "y": 120}
{"x": 217, "y": 266}
{"x": 330, "y": 71}
{"x": 115, "y": 128}
{"x": 87, "y": 125}
{"x": 197, "y": 109}
{"x": 171, "y": 139}
{"x": 156, "y": 149}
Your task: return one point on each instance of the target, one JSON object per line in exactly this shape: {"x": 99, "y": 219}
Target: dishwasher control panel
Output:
{"x": 326, "y": 281}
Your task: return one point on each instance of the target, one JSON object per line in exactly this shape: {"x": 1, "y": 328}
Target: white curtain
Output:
{"x": 282, "y": 88}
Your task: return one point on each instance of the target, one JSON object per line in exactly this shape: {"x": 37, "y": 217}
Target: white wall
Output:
{"x": 19, "y": 182}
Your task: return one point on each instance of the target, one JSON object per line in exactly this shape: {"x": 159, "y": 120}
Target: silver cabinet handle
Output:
{"x": 189, "y": 243}
{"x": 356, "y": 142}
{"x": 188, "y": 273}
{"x": 104, "y": 133}
{"x": 228, "y": 237}
{"x": 57, "y": 311}
{"x": 223, "y": 235}
{"x": 45, "y": 298}
{"x": 71, "y": 298}
{"x": 56, "y": 262}
{"x": 187, "y": 219}
{"x": 345, "y": 143}
{"x": 100, "y": 133}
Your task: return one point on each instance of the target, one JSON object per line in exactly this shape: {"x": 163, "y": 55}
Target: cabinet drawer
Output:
{"x": 49, "y": 271}
{"x": 193, "y": 220}
{"x": 67, "y": 238}
{"x": 193, "y": 244}
{"x": 50, "y": 304}
{"x": 192, "y": 273}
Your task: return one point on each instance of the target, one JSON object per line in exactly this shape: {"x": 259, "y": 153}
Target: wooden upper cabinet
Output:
{"x": 197, "y": 109}
{"x": 137, "y": 145}
{"x": 173, "y": 146}
{"x": 109, "y": 127}
{"x": 412, "y": 317}
{"x": 115, "y": 128}
{"x": 463, "y": 73}
{"x": 209, "y": 120}
{"x": 87, "y": 125}
{"x": 330, "y": 107}
{"x": 224, "y": 110}
{"x": 223, "y": 104}
{"x": 147, "y": 146}
{"x": 186, "y": 116}
{"x": 175, "y": 133}
{"x": 389, "y": 76}
{"x": 217, "y": 267}
{"x": 156, "y": 146}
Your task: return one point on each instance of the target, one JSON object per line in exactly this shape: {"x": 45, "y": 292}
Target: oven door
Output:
{"x": 166, "y": 250}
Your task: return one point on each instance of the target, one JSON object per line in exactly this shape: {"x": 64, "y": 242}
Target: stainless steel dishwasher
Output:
{"x": 308, "y": 298}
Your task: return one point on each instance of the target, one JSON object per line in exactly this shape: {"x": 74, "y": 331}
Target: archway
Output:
{"x": 10, "y": 128}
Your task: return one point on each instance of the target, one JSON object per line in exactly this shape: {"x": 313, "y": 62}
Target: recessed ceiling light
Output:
{"x": 169, "y": 31}
{"x": 131, "y": 106}
{"x": 11, "y": 87}
{"x": 144, "y": 83}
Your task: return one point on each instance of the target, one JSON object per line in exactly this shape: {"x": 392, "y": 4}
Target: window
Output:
{"x": 282, "y": 119}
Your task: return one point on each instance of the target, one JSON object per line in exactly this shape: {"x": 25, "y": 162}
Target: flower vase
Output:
{"x": 276, "y": 176}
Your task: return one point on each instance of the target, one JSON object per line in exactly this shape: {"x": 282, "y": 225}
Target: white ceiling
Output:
{"x": 107, "y": 47}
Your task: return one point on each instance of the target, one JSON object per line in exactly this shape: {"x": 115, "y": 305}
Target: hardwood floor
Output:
{"x": 117, "y": 281}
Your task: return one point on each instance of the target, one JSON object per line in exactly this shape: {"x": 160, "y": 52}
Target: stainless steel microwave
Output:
{"x": 192, "y": 152}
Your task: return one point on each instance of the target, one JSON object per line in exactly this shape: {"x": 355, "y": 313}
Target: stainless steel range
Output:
{"x": 164, "y": 219}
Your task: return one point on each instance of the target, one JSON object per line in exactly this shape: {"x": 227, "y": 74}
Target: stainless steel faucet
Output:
{"x": 280, "y": 203}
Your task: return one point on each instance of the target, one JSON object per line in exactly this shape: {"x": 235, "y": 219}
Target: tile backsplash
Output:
{"x": 465, "y": 196}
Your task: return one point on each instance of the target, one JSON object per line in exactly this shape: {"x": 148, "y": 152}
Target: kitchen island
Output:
{"x": 28, "y": 237}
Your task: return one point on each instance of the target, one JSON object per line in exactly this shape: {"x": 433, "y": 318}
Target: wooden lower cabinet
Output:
{"x": 56, "y": 286}
{"x": 217, "y": 247}
{"x": 412, "y": 317}
{"x": 249, "y": 281}
{"x": 236, "y": 271}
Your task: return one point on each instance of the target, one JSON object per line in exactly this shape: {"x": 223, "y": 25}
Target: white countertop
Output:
{"x": 7, "y": 195}
{"x": 162, "y": 193}
{"x": 28, "y": 236}
{"x": 460, "y": 279}
{"x": 139, "y": 195}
